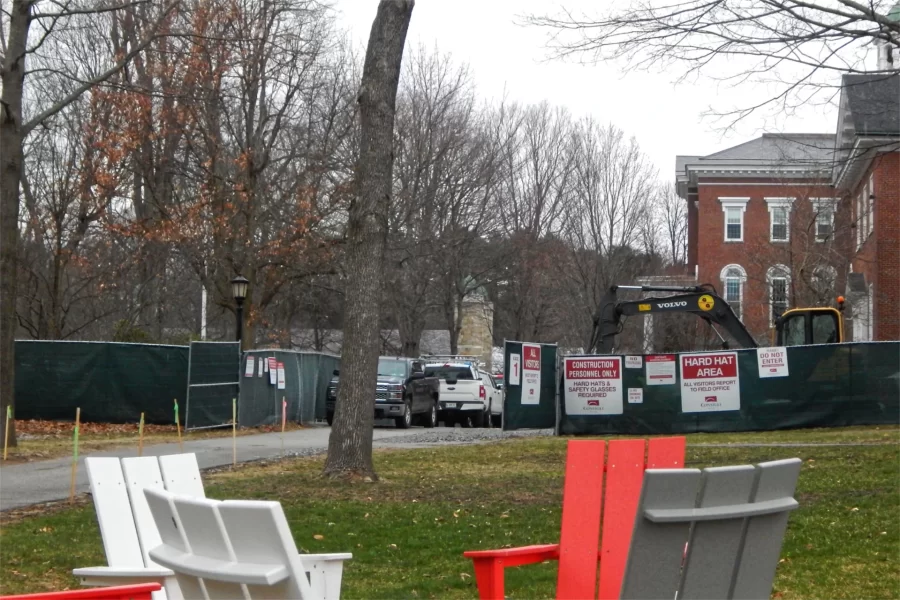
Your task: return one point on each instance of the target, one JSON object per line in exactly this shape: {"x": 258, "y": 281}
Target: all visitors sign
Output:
{"x": 709, "y": 382}
{"x": 531, "y": 374}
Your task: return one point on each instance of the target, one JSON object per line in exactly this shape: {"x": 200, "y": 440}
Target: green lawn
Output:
{"x": 407, "y": 532}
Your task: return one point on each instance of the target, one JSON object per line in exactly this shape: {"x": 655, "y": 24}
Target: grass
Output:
{"x": 43, "y": 440}
{"x": 408, "y": 532}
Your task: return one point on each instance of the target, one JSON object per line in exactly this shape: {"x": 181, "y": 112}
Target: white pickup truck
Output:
{"x": 463, "y": 395}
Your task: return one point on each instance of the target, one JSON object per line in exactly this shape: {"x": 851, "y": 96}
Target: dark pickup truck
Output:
{"x": 402, "y": 393}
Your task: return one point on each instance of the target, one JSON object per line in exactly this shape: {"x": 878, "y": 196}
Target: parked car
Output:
{"x": 403, "y": 393}
{"x": 462, "y": 395}
{"x": 495, "y": 395}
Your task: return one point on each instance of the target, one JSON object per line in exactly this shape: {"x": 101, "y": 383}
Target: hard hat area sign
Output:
{"x": 593, "y": 386}
{"x": 710, "y": 382}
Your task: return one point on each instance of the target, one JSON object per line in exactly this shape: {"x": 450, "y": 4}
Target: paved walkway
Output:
{"x": 44, "y": 481}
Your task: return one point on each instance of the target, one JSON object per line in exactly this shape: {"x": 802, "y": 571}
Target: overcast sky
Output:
{"x": 665, "y": 118}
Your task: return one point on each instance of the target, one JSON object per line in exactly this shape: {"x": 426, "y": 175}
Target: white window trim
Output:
{"x": 774, "y": 203}
{"x": 723, "y": 276}
{"x": 733, "y": 202}
{"x": 778, "y": 272}
{"x": 829, "y": 204}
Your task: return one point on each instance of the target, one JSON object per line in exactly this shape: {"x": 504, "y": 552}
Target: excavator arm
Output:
{"x": 701, "y": 301}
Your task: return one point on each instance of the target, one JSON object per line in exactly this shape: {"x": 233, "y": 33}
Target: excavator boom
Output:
{"x": 701, "y": 301}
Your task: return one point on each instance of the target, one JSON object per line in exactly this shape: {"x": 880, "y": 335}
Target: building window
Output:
{"x": 734, "y": 209}
{"x": 733, "y": 278}
{"x": 824, "y": 210}
{"x": 778, "y": 278}
{"x": 870, "y": 207}
{"x": 779, "y": 218}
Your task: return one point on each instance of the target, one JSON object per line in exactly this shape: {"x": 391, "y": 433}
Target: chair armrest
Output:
{"x": 527, "y": 554}
{"x": 148, "y": 573}
{"x": 490, "y": 565}
{"x": 337, "y": 556}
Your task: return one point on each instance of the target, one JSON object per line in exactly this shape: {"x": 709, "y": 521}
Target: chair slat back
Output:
{"x": 140, "y": 473}
{"x": 715, "y": 545}
{"x": 117, "y": 528}
{"x": 624, "y": 473}
{"x": 764, "y": 536}
{"x": 715, "y": 534}
{"x": 260, "y": 533}
{"x": 208, "y": 540}
{"x": 580, "y": 531}
{"x": 181, "y": 474}
{"x": 654, "y": 559}
{"x": 171, "y": 533}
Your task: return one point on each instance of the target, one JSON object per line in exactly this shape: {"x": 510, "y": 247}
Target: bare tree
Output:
{"x": 350, "y": 442}
{"x": 794, "y": 47}
{"x": 16, "y": 44}
{"x": 609, "y": 210}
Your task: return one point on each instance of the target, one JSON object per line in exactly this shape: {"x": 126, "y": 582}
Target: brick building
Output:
{"x": 789, "y": 220}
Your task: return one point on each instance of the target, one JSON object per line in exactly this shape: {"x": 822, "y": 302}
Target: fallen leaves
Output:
{"x": 318, "y": 536}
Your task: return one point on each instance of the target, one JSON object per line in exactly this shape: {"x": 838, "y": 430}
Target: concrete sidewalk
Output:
{"x": 44, "y": 481}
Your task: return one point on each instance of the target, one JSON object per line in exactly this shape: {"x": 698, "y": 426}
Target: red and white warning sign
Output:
{"x": 772, "y": 362}
{"x": 593, "y": 386}
{"x": 661, "y": 369}
{"x": 531, "y": 374}
{"x": 709, "y": 382}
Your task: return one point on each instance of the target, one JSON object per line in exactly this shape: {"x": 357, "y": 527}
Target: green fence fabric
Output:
{"x": 306, "y": 377}
{"x": 110, "y": 382}
{"x": 517, "y": 415}
{"x": 827, "y": 386}
{"x": 213, "y": 383}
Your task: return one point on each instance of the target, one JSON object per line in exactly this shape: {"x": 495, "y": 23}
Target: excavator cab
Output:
{"x": 807, "y": 326}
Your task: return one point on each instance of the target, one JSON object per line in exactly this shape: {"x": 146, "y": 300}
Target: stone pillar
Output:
{"x": 476, "y": 337}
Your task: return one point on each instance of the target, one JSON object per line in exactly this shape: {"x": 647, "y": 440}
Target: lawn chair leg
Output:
{"x": 489, "y": 577}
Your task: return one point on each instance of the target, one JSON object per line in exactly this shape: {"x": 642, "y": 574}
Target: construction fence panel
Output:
{"x": 303, "y": 387}
{"x": 111, "y": 382}
{"x": 213, "y": 384}
{"x": 530, "y": 385}
{"x": 830, "y": 385}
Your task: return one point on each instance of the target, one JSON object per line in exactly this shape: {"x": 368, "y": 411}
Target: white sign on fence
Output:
{"x": 772, "y": 362}
{"x": 251, "y": 367}
{"x": 633, "y": 362}
{"x": 515, "y": 369}
{"x": 281, "y": 382}
{"x": 635, "y": 395}
{"x": 661, "y": 369}
{"x": 273, "y": 370}
{"x": 593, "y": 385}
{"x": 531, "y": 374}
{"x": 709, "y": 382}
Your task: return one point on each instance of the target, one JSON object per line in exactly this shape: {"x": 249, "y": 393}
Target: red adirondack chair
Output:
{"x": 142, "y": 591}
{"x": 584, "y": 501}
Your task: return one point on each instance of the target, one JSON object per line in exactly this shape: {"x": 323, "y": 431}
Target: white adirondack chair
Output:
{"x": 710, "y": 534}
{"x": 231, "y": 549}
{"x": 129, "y": 532}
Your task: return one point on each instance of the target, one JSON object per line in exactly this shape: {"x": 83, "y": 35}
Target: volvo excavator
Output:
{"x": 795, "y": 327}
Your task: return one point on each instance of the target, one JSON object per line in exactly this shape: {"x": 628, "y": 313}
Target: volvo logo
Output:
{"x": 672, "y": 304}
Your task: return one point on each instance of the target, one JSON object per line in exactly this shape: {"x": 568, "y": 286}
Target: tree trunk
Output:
{"x": 12, "y": 76}
{"x": 350, "y": 443}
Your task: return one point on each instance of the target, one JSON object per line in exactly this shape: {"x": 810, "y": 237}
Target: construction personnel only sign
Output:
{"x": 531, "y": 374}
{"x": 593, "y": 385}
{"x": 709, "y": 382}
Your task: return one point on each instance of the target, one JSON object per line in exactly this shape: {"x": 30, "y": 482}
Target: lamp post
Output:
{"x": 239, "y": 287}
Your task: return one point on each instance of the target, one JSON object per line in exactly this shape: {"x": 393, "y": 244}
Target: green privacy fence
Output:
{"x": 110, "y": 382}
{"x": 213, "y": 384}
{"x": 529, "y": 375}
{"x": 114, "y": 383}
{"x": 809, "y": 386}
{"x": 304, "y": 379}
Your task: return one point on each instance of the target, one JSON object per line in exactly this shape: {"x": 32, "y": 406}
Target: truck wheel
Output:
{"x": 477, "y": 418}
{"x": 329, "y": 417}
{"x": 405, "y": 421}
{"x": 430, "y": 419}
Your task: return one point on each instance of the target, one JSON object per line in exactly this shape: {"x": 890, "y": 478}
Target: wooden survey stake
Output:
{"x": 74, "y": 455}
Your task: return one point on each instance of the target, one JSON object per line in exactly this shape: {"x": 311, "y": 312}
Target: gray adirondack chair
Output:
{"x": 710, "y": 534}
{"x": 228, "y": 549}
